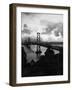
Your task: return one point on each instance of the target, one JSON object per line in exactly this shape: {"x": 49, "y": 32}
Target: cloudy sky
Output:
{"x": 50, "y": 26}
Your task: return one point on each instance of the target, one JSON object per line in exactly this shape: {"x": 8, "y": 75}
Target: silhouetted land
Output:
{"x": 47, "y": 65}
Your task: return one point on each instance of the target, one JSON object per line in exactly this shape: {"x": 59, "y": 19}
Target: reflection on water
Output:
{"x": 31, "y": 52}
{"x": 34, "y": 48}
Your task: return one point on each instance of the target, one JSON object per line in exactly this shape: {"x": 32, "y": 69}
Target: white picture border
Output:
{"x": 63, "y": 77}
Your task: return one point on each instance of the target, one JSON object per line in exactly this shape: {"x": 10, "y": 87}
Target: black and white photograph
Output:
{"x": 41, "y": 44}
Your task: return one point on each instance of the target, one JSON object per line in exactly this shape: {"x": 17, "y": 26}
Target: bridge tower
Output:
{"x": 38, "y": 52}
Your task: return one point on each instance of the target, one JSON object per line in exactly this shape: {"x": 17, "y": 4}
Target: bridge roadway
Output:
{"x": 53, "y": 45}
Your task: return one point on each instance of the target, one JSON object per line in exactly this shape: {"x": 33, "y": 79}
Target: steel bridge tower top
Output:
{"x": 38, "y": 52}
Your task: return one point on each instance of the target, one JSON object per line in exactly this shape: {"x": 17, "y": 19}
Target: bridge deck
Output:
{"x": 53, "y": 45}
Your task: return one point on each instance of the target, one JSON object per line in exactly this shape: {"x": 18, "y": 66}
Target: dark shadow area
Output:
{"x": 48, "y": 64}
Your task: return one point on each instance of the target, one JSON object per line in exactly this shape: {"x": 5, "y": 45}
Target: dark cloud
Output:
{"x": 26, "y": 13}
{"x": 26, "y": 29}
{"x": 56, "y": 33}
{"x": 59, "y": 28}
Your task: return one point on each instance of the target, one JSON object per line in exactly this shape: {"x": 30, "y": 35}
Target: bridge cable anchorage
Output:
{"x": 38, "y": 51}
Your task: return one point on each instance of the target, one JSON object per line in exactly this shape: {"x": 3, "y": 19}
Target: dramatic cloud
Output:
{"x": 57, "y": 28}
{"x": 50, "y": 26}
